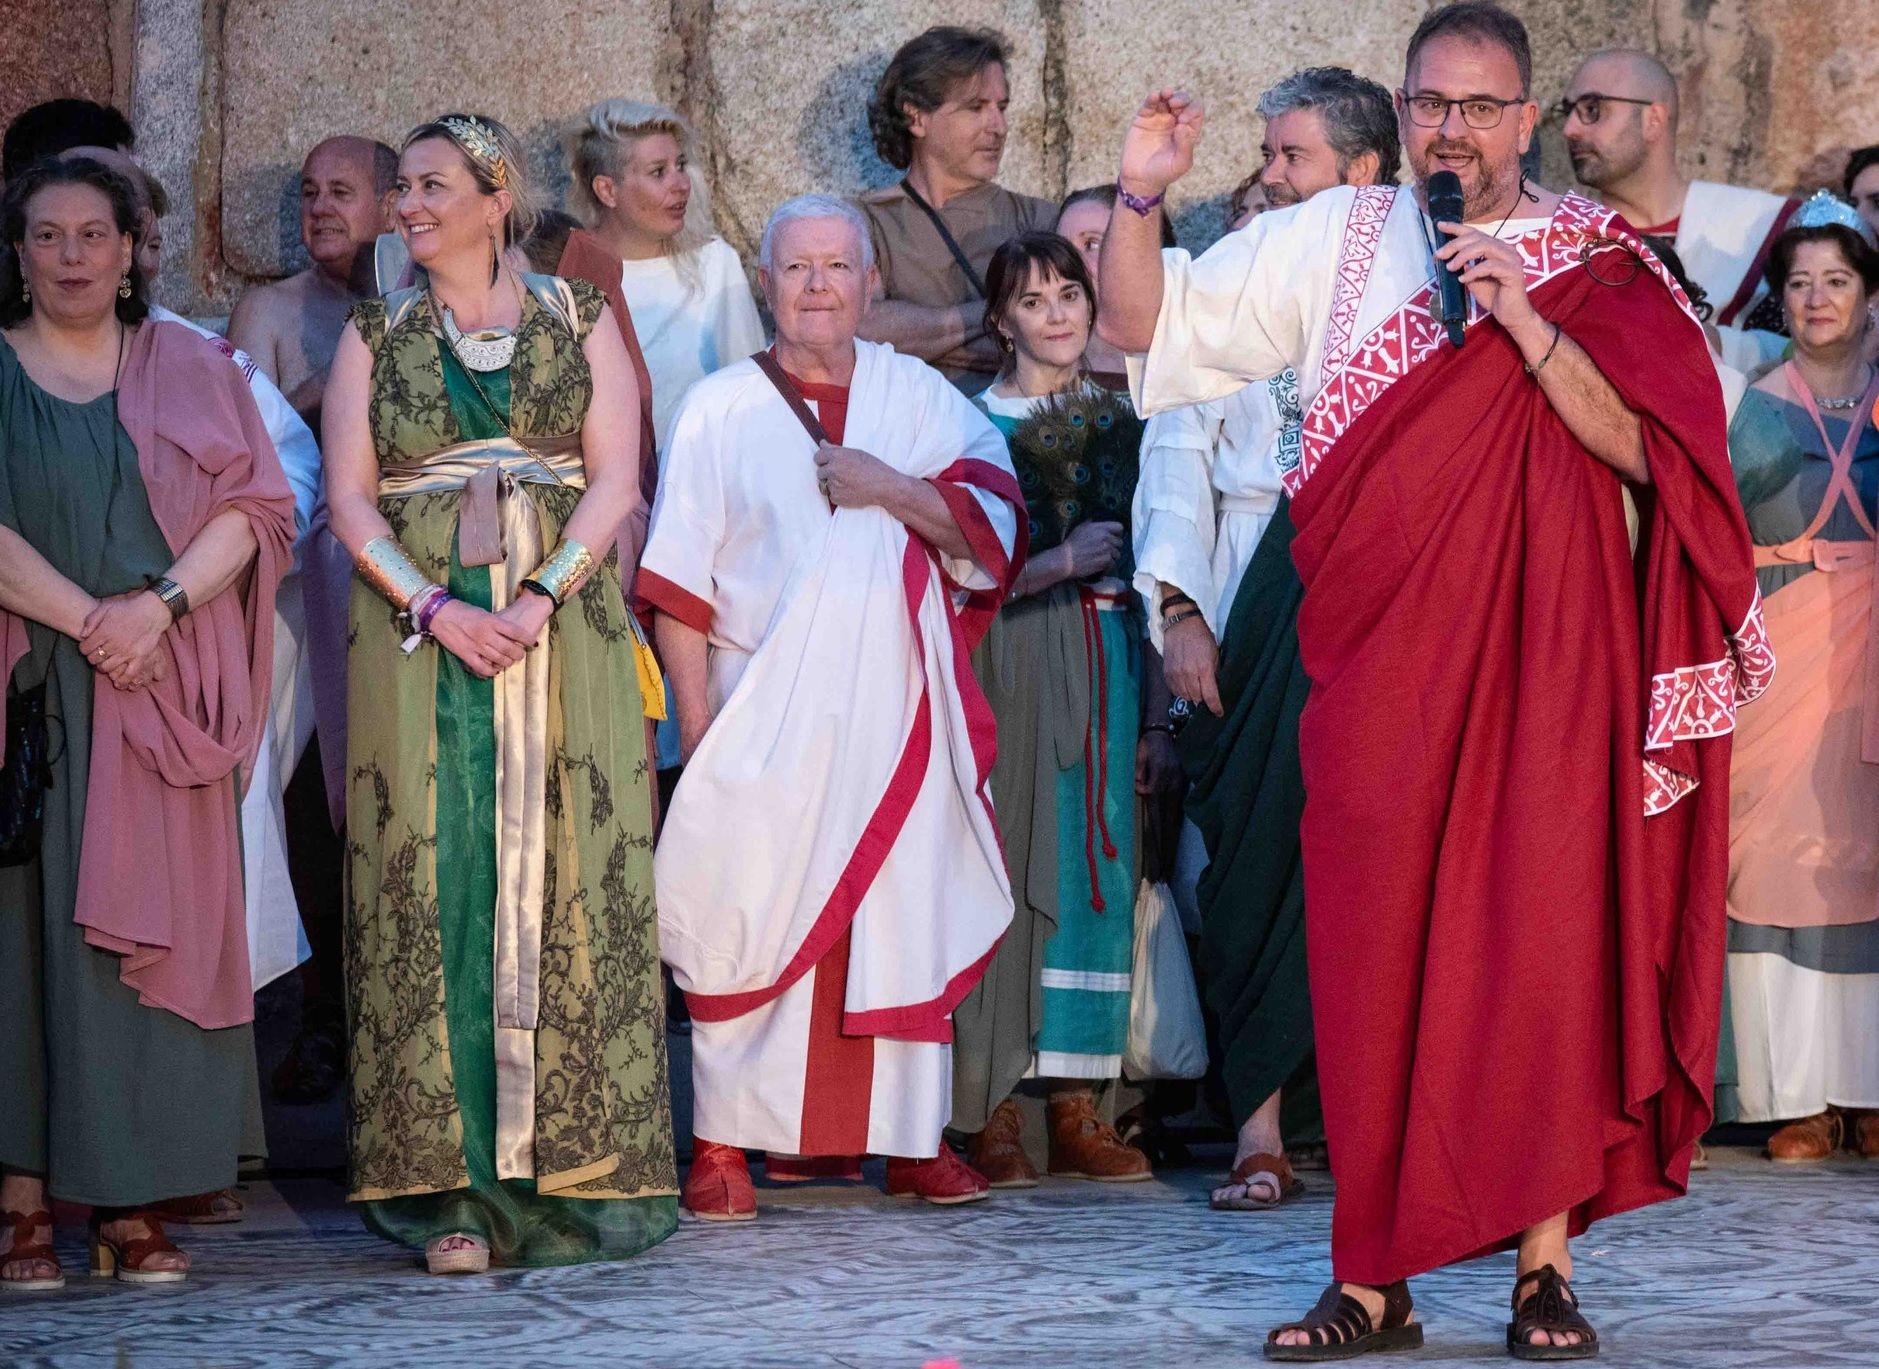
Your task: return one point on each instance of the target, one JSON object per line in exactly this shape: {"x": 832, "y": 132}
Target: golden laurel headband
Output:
{"x": 479, "y": 144}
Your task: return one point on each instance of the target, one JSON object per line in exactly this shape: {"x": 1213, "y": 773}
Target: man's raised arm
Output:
{"x": 1157, "y": 152}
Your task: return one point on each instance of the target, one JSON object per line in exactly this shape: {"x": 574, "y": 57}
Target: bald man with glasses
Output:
{"x": 1619, "y": 116}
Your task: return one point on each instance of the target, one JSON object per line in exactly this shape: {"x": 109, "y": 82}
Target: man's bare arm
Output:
{"x": 926, "y": 331}
{"x": 685, "y": 655}
{"x": 250, "y": 328}
{"x": 1586, "y": 402}
{"x": 1157, "y": 151}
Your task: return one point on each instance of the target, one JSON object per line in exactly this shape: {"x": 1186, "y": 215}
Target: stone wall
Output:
{"x": 228, "y": 94}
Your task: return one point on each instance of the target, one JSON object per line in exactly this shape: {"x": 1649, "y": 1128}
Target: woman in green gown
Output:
{"x": 143, "y": 521}
{"x": 508, "y": 1052}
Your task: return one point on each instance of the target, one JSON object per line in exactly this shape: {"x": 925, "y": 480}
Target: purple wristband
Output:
{"x": 429, "y": 611}
{"x": 1137, "y": 203}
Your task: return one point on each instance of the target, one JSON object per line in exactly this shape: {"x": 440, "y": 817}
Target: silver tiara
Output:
{"x": 1825, "y": 208}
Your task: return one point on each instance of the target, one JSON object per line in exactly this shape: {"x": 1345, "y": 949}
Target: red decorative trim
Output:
{"x": 675, "y": 601}
{"x": 1411, "y": 335}
{"x": 1356, "y": 257}
{"x": 1697, "y": 702}
{"x": 838, "y": 1075}
{"x": 928, "y": 1021}
{"x": 864, "y": 863}
{"x": 921, "y": 1021}
{"x": 1664, "y": 788}
{"x": 981, "y": 606}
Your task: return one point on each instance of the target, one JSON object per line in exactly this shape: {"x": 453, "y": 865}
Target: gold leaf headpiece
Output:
{"x": 480, "y": 146}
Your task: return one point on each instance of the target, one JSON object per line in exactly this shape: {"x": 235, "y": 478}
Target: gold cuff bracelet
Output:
{"x": 564, "y": 570}
{"x": 389, "y": 569}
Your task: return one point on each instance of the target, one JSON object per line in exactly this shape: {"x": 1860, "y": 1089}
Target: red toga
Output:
{"x": 1516, "y": 756}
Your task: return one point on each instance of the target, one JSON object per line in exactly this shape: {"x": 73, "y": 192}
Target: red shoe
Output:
{"x": 945, "y": 1179}
{"x": 801, "y": 1169}
{"x": 718, "y": 1189}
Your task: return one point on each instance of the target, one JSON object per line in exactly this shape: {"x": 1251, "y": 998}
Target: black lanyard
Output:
{"x": 952, "y": 245}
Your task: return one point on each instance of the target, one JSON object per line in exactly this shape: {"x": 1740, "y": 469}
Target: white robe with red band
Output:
{"x": 839, "y": 800}
{"x": 1723, "y": 236}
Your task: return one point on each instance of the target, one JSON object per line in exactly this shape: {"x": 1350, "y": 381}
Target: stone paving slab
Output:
{"x": 1758, "y": 1267}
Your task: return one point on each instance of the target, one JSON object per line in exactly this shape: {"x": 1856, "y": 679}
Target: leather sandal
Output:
{"x": 1289, "y": 1185}
{"x": 998, "y": 1151}
{"x": 126, "y": 1259}
{"x": 1346, "y": 1329}
{"x": 1551, "y": 1307}
{"x": 1809, "y": 1140}
{"x": 25, "y": 1250}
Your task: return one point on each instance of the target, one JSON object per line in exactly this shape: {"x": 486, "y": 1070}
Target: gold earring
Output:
{"x": 123, "y": 287}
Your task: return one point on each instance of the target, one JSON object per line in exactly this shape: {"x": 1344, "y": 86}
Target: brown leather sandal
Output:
{"x": 201, "y": 1209}
{"x": 1346, "y": 1328}
{"x": 1260, "y": 1162}
{"x": 25, "y": 1250}
{"x": 1551, "y": 1307}
{"x": 126, "y": 1259}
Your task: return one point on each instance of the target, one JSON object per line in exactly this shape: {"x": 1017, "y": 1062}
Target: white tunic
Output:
{"x": 1260, "y": 300}
{"x": 276, "y": 940}
{"x": 844, "y": 765}
{"x": 1720, "y": 234}
{"x": 1208, "y": 487}
{"x": 687, "y": 332}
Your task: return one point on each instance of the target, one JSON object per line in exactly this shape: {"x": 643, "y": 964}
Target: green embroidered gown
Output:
{"x": 421, "y": 805}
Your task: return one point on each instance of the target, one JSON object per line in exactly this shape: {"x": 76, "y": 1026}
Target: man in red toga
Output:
{"x": 1516, "y": 748}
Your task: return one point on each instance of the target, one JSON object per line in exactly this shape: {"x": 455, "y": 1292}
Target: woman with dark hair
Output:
{"x": 1062, "y": 669}
{"x": 1082, "y": 219}
{"x": 1804, "y": 836}
{"x": 144, "y": 526}
{"x": 508, "y": 1056}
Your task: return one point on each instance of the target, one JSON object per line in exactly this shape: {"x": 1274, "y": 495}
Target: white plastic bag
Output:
{"x": 1167, "y": 1039}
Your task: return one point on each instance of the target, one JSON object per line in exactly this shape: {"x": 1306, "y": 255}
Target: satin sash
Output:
{"x": 499, "y": 526}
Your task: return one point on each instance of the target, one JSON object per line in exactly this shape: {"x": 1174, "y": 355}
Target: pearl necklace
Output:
{"x": 1847, "y": 404}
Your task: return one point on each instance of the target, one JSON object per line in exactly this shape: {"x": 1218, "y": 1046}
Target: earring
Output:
{"x": 1005, "y": 343}
{"x": 123, "y": 287}
{"x": 495, "y": 258}
{"x": 26, "y": 291}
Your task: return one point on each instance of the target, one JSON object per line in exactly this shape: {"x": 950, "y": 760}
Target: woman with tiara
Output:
{"x": 508, "y": 1061}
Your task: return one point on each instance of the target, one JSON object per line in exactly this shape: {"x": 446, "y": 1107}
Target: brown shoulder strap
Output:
{"x": 797, "y": 405}
{"x": 946, "y": 235}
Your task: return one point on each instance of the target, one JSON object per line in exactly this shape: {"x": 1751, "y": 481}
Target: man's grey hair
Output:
{"x": 816, "y": 207}
{"x": 1358, "y": 115}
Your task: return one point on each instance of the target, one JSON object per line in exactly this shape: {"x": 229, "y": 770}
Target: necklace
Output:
{"x": 1424, "y": 222}
{"x": 486, "y": 349}
{"x": 1847, "y": 404}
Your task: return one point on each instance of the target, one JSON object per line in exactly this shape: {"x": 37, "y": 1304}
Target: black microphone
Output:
{"x": 1444, "y": 192}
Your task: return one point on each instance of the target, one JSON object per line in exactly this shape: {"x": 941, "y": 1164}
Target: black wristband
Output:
{"x": 537, "y": 587}
{"x": 1159, "y": 727}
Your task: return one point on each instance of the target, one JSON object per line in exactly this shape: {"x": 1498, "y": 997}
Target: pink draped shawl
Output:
{"x": 159, "y": 876}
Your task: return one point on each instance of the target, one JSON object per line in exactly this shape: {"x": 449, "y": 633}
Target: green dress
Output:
{"x": 421, "y": 805}
{"x": 117, "y": 1104}
{"x": 1247, "y": 797}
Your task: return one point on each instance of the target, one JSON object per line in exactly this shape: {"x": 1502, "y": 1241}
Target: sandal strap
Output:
{"x": 1551, "y": 1306}
{"x": 22, "y": 1249}
{"x": 1263, "y": 1162}
{"x": 25, "y": 1223}
{"x": 133, "y": 1252}
{"x": 1344, "y": 1319}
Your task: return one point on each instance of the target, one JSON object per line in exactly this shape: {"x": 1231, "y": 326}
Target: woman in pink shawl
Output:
{"x": 143, "y": 517}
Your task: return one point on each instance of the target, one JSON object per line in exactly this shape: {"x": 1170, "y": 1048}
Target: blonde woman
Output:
{"x": 646, "y": 205}
{"x": 508, "y": 1053}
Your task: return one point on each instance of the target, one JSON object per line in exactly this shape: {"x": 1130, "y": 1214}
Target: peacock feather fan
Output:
{"x": 1076, "y": 455}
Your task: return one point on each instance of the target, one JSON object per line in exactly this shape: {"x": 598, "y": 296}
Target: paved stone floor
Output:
{"x": 1758, "y": 1267}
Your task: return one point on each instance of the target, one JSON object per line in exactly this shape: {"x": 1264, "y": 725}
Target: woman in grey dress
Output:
{"x": 125, "y": 1045}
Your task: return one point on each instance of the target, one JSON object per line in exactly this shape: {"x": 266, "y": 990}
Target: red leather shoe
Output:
{"x": 801, "y": 1169}
{"x": 718, "y": 1189}
{"x": 945, "y": 1179}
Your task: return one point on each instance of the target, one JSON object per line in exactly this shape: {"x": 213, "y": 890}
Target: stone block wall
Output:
{"x": 228, "y": 94}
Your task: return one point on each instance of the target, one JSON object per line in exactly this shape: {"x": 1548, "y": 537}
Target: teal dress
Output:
{"x": 116, "y": 1104}
{"x": 1062, "y": 671}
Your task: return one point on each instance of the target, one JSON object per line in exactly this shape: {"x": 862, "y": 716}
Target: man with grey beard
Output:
{"x": 1208, "y": 501}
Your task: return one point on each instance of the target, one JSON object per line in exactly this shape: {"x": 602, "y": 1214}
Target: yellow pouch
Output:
{"x": 651, "y": 678}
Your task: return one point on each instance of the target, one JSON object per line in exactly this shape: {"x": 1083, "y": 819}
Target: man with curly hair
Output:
{"x": 939, "y": 116}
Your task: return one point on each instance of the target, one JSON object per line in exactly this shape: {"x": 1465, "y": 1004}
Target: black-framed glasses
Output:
{"x": 1477, "y": 111}
{"x": 1590, "y": 107}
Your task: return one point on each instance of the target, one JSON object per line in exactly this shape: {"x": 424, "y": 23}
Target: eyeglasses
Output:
{"x": 1590, "y": 107}
{"x": 1477, "y": 111}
